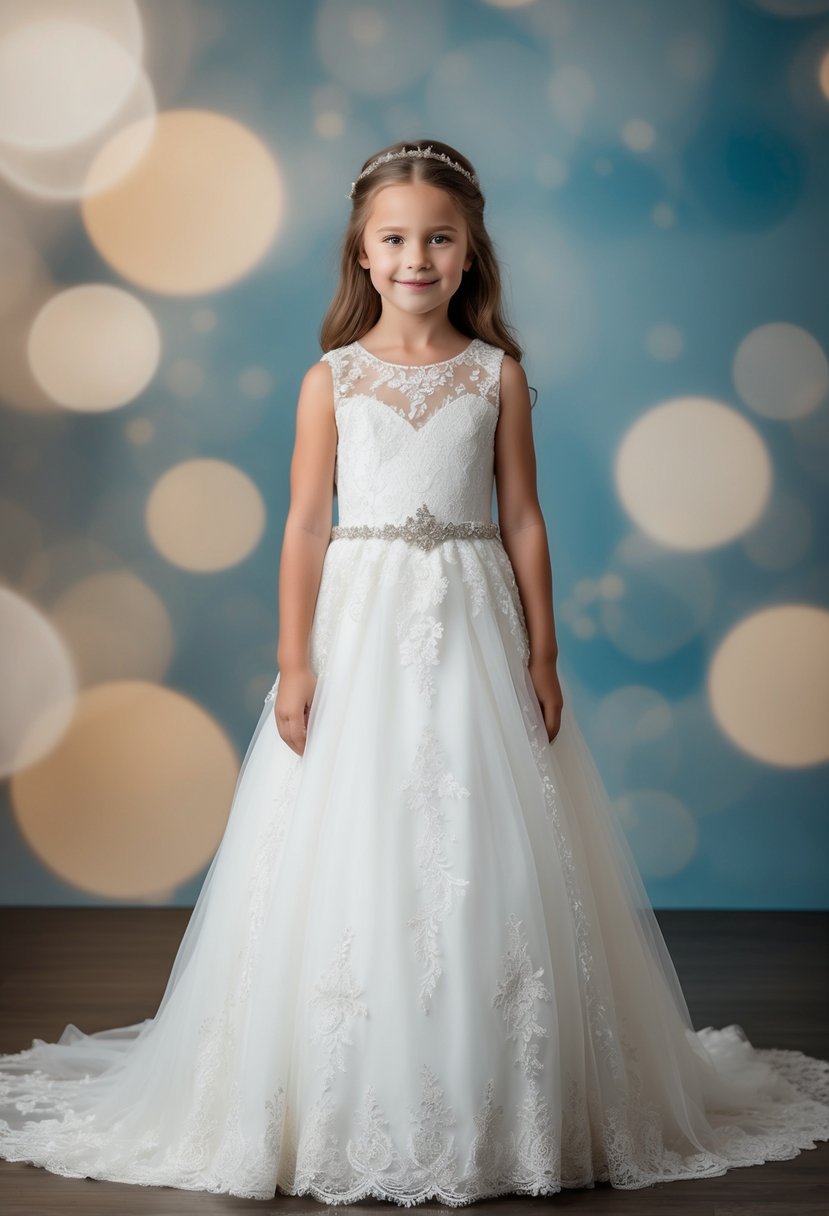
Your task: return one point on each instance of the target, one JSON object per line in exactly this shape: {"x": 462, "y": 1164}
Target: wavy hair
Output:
{"x": 476, "y": 308}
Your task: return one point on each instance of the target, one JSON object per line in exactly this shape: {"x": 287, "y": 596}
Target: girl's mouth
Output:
{"x": 416, "y": 286}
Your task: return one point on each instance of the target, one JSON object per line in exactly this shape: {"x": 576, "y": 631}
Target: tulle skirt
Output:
{"x": 422, "y": 963}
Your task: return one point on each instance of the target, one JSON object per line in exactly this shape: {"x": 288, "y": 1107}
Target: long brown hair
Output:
{"x": 475, "y": 309}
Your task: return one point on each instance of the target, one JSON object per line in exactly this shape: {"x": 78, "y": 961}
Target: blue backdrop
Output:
{"x": 173, "y": 196}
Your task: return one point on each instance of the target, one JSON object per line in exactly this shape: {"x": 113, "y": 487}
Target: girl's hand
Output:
{"x": 292, "y": 706}
{"x": 548, "y": 690}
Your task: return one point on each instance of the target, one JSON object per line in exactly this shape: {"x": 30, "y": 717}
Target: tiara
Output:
{"x": 404, "y": 153}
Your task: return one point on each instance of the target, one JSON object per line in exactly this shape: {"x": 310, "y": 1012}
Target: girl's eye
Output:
{"x": 392, "y": 237}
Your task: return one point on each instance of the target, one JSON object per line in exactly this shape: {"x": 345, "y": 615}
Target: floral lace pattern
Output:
{"x": 336, "y": 1002}
{"x": 428, "y": 786}
{"x": 395, "y": 427}
{"x": 518, "y": 991}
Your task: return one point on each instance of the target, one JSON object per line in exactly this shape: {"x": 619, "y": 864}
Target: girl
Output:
{"x": 423, "y": 963}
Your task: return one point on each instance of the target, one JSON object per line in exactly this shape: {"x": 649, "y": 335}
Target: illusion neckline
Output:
{"x": 412, "y": 366}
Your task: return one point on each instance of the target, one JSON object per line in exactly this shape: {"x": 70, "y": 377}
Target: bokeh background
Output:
{"x": 173, "y": 182}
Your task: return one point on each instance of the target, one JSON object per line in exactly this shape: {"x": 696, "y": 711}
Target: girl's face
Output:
{"x": 415, "y": 232}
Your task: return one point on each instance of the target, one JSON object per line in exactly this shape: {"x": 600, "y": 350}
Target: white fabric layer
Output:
{"x": 422, "y": 963}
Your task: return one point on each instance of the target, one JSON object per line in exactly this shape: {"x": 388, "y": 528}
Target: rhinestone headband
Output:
{"x": 413, "y": 152}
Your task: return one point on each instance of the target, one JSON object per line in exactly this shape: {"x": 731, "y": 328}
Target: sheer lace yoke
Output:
{"x": 417, "y": 393}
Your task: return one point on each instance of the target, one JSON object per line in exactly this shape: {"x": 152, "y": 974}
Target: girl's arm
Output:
{"x": 306, "y": 538}
{"x": 524, "y": 535}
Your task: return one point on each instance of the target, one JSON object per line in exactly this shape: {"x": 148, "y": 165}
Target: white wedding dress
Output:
{"x": 422, "y": 963}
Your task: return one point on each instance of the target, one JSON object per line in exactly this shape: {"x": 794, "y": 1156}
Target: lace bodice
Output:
{"x": 409, "y": 435}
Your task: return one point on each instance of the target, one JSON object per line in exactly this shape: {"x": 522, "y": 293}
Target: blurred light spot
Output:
{"x": 585, "y": 590}
{"x": 140, "y": 431}
{"x": 37, "y": 684}
{"x": 768, "y": 684}
{"x": 662, "y": 832}
{"x": 663, "y": 215}
{"x": 638, "y": 135}
{"x": 135, "y": 797}
{"x": 633, "y": 727}
{"x": 50, "y": 570}
{"x": 823, "y": 75}
{"x": 61, "y": 78}
{"x": 551, "y": 171}
{"x": 378, "y": 47}
{"x": 664, "y": 342}
{"x": 667, "y": 599}
{"x": 782, "y": 536}
{"x": 205, "y": 515}
{"x": 611, "y": 586}
{"x": 94, "y": 347}
{"x": 256, "y": 382}
{"x": 571, "y": 92}
{"x": 583, "y": 627}
{"x": 20, "y": 537}
{"x": 568, "y": 610}
{"x": 116, "y": 626}
{"x": 25, "y": 286}
{"x": 203, "y": 320}
{"x": 199, "y": 210}
{"x": 693, "y": 474}
{"x": 781, "y": 371}
{"x": 185, "y": 378}
{"x": 329, "y": 124}
{"x": 46, "y": 160}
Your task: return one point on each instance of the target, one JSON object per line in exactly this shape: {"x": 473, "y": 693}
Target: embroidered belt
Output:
{"x": 422, "y": 529}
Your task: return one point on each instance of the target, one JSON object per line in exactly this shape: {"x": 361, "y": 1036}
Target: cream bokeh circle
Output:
{"x": 116, "y": 625}
{"x": 768, "y": 685}
{"x": 135, "y": 797}
{"x": 94, "y": 347}
{"x": 781, "y": 371}
{"x": 693, "y": 473}
{"x": 65, "y": 69}
{"x": 38, "y": 685}
{"x": 205, "y": 515}
{"x": 196, "y": 213}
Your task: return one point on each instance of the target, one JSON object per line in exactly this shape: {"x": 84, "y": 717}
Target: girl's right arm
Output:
{"x": 306, "y": 538}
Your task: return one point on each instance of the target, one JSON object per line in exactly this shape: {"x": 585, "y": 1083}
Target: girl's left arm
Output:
{"x": 524, "y": 535}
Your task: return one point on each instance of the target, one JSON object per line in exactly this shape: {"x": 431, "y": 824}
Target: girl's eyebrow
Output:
{"x": 398, "y": 228}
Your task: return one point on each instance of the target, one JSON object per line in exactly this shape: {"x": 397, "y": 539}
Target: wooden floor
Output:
{"x": 108, "y": 967}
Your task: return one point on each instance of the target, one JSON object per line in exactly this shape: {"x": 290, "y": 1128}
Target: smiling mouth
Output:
{"x": 417, "y": 282}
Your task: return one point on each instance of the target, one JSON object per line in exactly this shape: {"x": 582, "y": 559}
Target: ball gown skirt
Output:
{"x": 422, "y": 963}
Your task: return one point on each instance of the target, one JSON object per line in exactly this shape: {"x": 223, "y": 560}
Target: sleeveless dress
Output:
{"x": 422, "y": 963}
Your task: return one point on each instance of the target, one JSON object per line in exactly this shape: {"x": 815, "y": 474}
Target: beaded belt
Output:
{"x": 422, "y": 529}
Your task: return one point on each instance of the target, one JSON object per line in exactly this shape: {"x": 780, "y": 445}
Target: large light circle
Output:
{"x": 781, "y": 371}
{"x": 693, "y": 474}
{"x": 135, "y": 797}
{"x": 768, "y": 684}
{"x": 205, "y": 515}
{"x": 94, "y": 347}
{"x": 195, "y": 213}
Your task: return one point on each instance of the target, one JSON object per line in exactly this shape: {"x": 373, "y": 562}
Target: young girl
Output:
{"x": 422, "y": 963}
